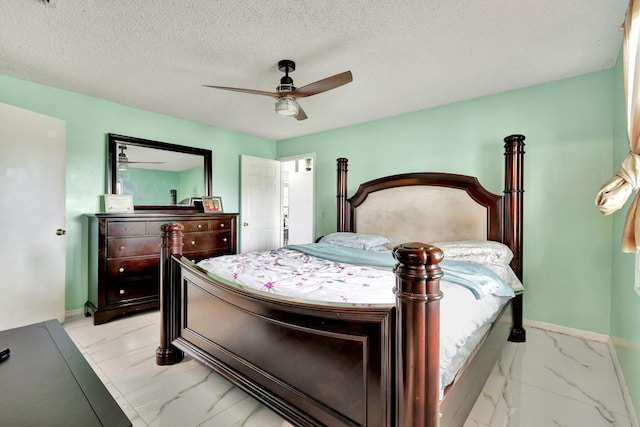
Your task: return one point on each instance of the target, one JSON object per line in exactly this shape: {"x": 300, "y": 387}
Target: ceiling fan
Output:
{"x": 286, "y": 93}
{"x": 124, "y": 162}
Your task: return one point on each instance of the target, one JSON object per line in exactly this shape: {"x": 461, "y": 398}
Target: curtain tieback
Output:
{"x": 615, "y": 192}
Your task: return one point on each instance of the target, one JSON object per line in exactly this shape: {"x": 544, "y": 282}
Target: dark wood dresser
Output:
{"x": 124, "y": 257}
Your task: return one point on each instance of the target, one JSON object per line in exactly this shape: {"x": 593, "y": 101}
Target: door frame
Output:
{"x": 302, "y": 156}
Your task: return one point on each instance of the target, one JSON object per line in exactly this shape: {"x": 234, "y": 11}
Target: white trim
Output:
{"x": 623, "y": 385}
{"x": 73, "y": 313}
{"x": 579, "y": 333}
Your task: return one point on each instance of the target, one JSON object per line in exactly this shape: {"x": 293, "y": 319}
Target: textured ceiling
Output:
{"x": 404, "y": 55}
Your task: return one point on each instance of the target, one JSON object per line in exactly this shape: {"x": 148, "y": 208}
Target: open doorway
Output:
{"x": 298, "y": 184}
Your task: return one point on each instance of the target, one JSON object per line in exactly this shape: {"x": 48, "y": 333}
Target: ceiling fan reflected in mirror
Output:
{"x": 286, "y": 94}
{"x": 124, "y": 162}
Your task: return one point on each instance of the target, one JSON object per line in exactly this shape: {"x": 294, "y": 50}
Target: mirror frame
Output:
{"x": 112, "y": 159}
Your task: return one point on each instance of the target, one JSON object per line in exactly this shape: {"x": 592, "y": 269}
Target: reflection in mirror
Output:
{"x": 157, "y": 174}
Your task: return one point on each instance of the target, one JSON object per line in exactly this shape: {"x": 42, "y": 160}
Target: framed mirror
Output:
{"x": 159, "y": 175}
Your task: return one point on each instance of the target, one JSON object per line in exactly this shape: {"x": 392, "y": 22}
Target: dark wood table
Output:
{"x": 47, "y": 382}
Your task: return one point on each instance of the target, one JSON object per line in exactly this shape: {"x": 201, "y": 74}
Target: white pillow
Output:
{"x": 478, "y": 251}
{"x": 355, "y": 240}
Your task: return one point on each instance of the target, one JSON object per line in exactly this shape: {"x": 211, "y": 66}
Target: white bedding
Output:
{"x": 296, "y": 274}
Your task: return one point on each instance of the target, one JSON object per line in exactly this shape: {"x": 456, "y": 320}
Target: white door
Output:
{"x": 32, "y": 209}
{"x": 260, "y": 210}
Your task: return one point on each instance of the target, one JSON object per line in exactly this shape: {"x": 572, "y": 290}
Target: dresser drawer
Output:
{"x": 195, "y": 226}
{"x": 131, "y": 290}
{"x": 130, "y": 228}
{"x": 220, "y": 224}
{"x": 153, "y": 227}
{"x": 128, "y": 268}
{"x": 196, "y": 242}
{"x": 133, "y": 246}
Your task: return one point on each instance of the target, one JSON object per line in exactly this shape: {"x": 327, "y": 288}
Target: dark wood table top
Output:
{"x": 47, "y": 382}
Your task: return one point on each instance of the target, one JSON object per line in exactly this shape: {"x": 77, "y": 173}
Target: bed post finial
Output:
{"x": 172, "y": 244}
{"x": 343, "y": 214}
{"x": 418, "y": 348}
{"x": 514, "y": 212}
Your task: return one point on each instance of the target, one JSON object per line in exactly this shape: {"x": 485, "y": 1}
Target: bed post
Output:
{"x": 343, "y": 217}
{"x": 418, "y": 334}
{"x": 172, "y": 244}
{"x": 513, "y": 213}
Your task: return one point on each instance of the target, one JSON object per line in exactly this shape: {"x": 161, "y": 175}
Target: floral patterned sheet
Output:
{"x": 293, "y": 273}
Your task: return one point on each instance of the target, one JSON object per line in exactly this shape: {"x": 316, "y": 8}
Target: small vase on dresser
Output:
{"x": 124, "y": 257}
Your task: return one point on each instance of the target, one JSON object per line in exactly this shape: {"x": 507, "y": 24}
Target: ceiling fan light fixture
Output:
{"x": 286, "y": 106}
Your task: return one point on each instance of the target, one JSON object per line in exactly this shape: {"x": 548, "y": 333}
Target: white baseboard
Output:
{"x": 593, "y": 336}
{"x": 623, "y": 385}
{"x": 74, "y": 313}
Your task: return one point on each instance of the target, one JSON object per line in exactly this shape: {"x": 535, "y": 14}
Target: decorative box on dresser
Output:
{"x": 124, "y": 258}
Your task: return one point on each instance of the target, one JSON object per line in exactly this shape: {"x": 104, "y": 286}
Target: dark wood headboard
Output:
{"x": 444, "y": 206}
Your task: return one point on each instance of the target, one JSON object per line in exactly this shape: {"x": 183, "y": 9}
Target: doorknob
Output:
{"x": 245, "y": 224}
{"x": 61, "y": 232}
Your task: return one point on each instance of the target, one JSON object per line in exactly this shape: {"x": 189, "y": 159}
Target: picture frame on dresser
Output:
{"x": 118, "y": 203}
{"x": 212, "y": 204}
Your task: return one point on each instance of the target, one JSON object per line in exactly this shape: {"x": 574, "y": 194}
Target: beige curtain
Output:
{"x": 615, "y": 192}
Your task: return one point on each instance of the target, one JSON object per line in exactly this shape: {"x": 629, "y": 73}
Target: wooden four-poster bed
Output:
{"x": 341, "y": 364}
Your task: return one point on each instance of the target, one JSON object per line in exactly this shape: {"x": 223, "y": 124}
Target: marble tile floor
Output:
{"x": 551, "y": 380}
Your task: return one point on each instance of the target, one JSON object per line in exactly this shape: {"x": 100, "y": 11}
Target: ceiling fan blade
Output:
{"x": 251, "y": 91}
{"x": 323, "y": 85}
{"x": 151, "y": 163}
{"x": 301, "y": 114}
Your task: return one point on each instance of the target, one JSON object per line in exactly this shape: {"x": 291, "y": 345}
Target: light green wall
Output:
{"x": 149, "y": 186}
{"x": 191, "y": 183}
{"x": 88, "y": 122}
{"x": 568, "y": 126}
{"x": 625, "y": 303}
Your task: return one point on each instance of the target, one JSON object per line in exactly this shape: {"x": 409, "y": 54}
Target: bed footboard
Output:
{"x": 315, "y": 364}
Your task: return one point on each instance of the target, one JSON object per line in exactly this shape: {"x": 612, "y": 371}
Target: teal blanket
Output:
{"x": 478, "y": 279}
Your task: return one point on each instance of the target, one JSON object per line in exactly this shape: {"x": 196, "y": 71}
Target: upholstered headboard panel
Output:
{"x": 426, "y": 207}
{"x": 436, "y": 214}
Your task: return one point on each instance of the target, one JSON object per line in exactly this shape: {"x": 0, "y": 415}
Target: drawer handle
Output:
{"x": 193, "y": 242}
{"x": 222, "y": 225}
{"x": 122, "y": 248}
{"x": 121, "y": 291}
{"x": 199, "y": 225}
{"x": 225, "y": 239}
{"x": 121, "y": 269}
